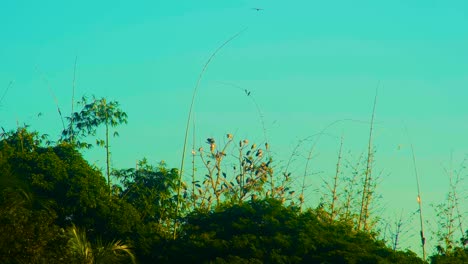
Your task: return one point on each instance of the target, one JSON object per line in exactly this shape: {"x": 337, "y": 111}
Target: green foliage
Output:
{"x": 246, "y": 174}
{"x": 456, "y": 256}
{"x": 59, "y": 187}
{"x": 47, "y": 189}
{"x": 83, "y": 251}
{"x": 265, "y": 231}
{"x": 151, "y": 190}
{"x": 85, "y": 123}
{"x": 28, "y": 235}
{"x": 59, "y": 174}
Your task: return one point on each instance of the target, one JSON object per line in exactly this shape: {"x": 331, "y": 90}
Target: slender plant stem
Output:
{"x": 335, "y": 183}
{"x": 399, "y": 225}
{"x": 257, "y": 106}
{"x": 456, "y": 199}
{"x": 107, "y": 154}
{"x": 460, "y": 223}
{"x": 53, "y": 96}
{"x": 309, "y": 156}
{"x": 181, "y": 171}
{"x": 6, "y": 90}
{"x": 73, "y": 104}
{"x": 364, "y": 213}
{"x": 421, "y": 220}
{"x": 450, "y": 207}
{"x": 453, "y": 209}
{"x": 241, "y": 172}
{"x": 193, "y": 165}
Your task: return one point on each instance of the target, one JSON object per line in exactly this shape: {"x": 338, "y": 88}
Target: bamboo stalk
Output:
{"x": 421, "y": 220}
{"x": 181, "y": 171}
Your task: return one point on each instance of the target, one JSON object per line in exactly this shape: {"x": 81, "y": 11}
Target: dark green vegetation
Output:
{"x": 56, "y": 208}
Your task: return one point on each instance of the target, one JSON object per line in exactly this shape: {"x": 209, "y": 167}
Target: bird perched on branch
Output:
{"x": 211, "y": 141}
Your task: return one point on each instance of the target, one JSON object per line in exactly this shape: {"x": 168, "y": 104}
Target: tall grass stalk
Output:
{"x": 53, "y": 96}
{"x": 421, "y": 220}
{"x": 193, "y": 163}
{"x": 335, "y": 183}
{"x": 181, "y": 171}
{"x": 366, "y": 193}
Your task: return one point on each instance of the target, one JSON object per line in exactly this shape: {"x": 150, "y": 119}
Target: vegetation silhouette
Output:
{"x": 56, "y": 208}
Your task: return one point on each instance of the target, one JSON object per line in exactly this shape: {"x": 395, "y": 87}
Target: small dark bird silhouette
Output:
{"x": 257, "y": 9}
{"x": 247, "y": 92}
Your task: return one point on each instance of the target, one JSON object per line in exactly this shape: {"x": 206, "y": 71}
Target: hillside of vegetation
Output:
{"x": 57, "y": 208}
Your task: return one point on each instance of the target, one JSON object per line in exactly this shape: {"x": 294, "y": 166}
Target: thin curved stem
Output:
{"x": 188, "y": 122}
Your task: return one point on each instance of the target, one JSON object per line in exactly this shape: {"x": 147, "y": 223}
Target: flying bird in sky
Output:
{"x": 257, "y": 9}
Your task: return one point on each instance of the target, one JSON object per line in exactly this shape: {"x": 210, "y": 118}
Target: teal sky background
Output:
{"x": 306, "y": 63}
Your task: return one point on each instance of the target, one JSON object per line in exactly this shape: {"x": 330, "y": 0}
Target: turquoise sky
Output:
{"x": 306, "y": 63}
